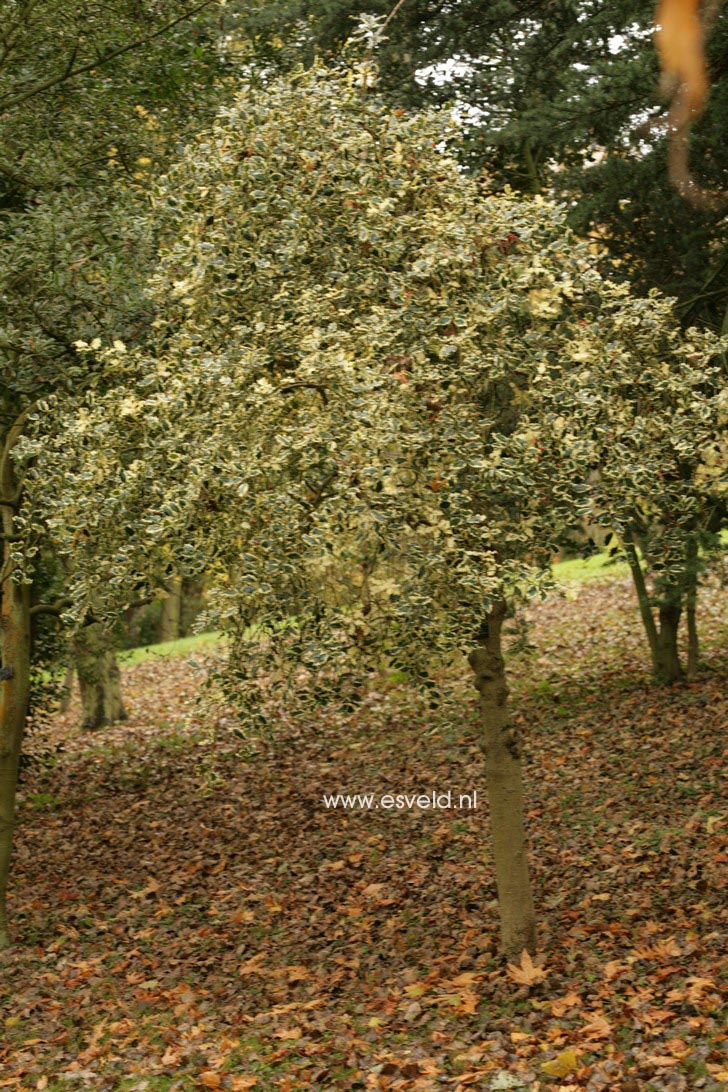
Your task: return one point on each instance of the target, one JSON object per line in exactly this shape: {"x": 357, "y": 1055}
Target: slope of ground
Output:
{"x": 189, "y": 914}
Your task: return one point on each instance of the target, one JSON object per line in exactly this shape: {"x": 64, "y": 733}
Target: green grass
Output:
{"x": 130, "y": 656}
{"x": 598, "y": 567}
{"x": 181, "y": 647}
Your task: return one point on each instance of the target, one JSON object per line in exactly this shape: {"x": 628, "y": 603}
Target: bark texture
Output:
{"x": 14, "y": 688}
{"x": 505, "y": 791}
{"x": 67, "y": 689}
{"x": 98, "y": 676}
{"x": 662, "y": 639}
{"x": 171, "y": 617}
{"x": 670, "y": 667}
{"x": 691, "y": 603}
{"x": 643, "y": 599}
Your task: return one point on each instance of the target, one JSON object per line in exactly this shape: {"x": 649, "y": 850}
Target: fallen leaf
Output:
{"x": 210, "y": 1079}
{"x": 288, "y": 1033}
{"x": 597, "y": 1028}
{"x": 527, "y": 974}
{"x": 562, "y": 1064}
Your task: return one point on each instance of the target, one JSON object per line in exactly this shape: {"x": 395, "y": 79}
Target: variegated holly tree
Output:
{"x": 349, "y": 415}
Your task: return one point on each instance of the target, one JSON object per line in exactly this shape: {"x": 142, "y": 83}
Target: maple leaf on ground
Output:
{"x": 527, "y": 974}
{"x": 288, "y": 1033}
{"x": 561, "y": 1005}
{"x": 210, "y": 1079}
{"x": 597, "y": 1028}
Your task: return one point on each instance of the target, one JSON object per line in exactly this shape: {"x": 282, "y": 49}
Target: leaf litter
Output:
{"x": 188, "y": 914}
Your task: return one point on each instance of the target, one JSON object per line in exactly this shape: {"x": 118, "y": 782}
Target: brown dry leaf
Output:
{"x": 288, "y": 1033}
{"x": 373, "y": 890}
{"x": 252, "y": 966}
{"x": 151, "y": 888}
{"x": 597, "y": 1028}
{"x": 297, "y": 973}
{"x": 662, "y": 1061}
{"x": 211, "y": 1079}
{"x": 527, "y": 974}
{"x": 614, "y": 968}
{"x": 468, "y": 1003}
{"x": 560, "y": 1005}
{"x": 467, "y": 979}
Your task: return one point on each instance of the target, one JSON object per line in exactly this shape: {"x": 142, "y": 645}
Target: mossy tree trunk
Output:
{"x": 662, "y": 639}
{"x": 670, "y": 611}
{"x": 67, "y": 688}
{"x": 691, "y": 603}
{"x": 171, "y": 617}
{"x": 14, "y": 687}
{"x": 643, "y": 599}
{"x": 98, "y": 677}
{"x": 504, "y": 782}
{"x": 193, "y": 592}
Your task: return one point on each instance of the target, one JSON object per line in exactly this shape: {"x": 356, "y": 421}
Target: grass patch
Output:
{"x": 598, "y": 567}
{"x": 180, "y": 647}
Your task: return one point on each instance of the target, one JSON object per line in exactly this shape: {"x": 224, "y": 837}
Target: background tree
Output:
{"x": 348, "y": 416}
{"x": 652, "y": 404}
{"x": 91, "y": 98}
{"x": 558, "y": 97}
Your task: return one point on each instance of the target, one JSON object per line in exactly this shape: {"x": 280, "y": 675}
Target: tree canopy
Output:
{"x": 559, "y": 97}
{"x": 368, "y": 371}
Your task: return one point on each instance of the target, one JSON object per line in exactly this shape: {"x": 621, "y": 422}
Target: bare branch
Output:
{"x": 70, "y": 73}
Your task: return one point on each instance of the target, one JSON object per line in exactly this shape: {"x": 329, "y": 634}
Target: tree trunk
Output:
{"x": 193, "y": 591}
{"x": 170, "y": 619}
{"x": 643, "y": 598}
{"x": 98, "y": 676}
{"x": 670, "y": 667}
{"x": 14, "y": 692}
{"x": 505, "y": 791}
{"x": 67, "y": 689}
{"x": 691, "y": 602}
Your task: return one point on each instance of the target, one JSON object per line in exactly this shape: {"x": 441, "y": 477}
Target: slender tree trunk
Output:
{"x": 98, "y": 676}
{"x": 670, "y": 611}
{"x": 505, "y": 791}
{"x": 193, "y": 591}
{"x": 67, "y": 690}
{"x": 643, "y": 598}
{"x": 691, "y": 602}
{"x": 170, "y": 619}
{"x": 14, "y": 691}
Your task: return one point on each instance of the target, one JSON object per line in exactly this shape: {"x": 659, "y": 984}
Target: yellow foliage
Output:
{"x": 562, "y": 1065}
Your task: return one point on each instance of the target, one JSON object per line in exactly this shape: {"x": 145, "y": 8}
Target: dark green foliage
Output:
{"x": 560, "y": 91}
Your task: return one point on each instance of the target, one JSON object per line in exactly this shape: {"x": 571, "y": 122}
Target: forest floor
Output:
{"x": 189, "y": 915}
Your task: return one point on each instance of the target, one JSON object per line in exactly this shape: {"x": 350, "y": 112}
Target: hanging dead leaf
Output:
{"x": 681, "y": 27}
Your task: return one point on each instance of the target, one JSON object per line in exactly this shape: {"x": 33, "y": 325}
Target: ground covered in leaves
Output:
{"x": 188, "y": 914}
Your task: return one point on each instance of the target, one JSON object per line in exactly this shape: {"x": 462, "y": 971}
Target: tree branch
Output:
{"x": 54, "y": 609}
{"x": 14, "y": 432}
{"x": 71, "y": 73}
{"x": 311, "y": 386}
